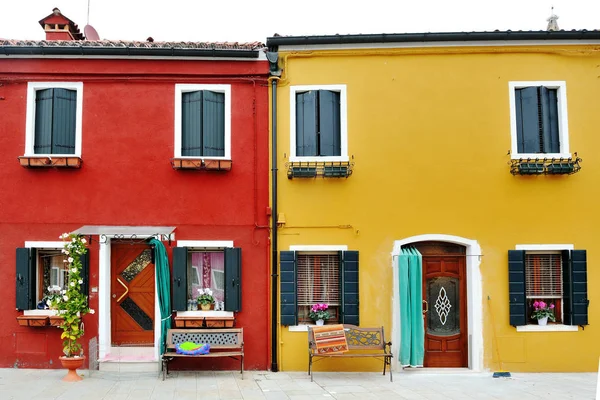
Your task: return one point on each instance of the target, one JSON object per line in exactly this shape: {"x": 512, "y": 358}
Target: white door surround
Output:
{"x": 474, "y": 296}
{"x": 104, "y": 304}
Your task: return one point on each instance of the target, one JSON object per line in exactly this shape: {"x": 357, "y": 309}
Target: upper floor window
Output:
{"x": 54, "y": 114}
{"x": 318, "y": 123}
{"x": 539, "y": 125}
{"x": 203, "y": 121}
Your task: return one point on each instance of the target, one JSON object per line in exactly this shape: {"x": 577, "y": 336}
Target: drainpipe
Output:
{"x": 275, "y": 72}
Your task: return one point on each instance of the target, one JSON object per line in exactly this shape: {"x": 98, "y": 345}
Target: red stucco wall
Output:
{"x": 127, "y": 179}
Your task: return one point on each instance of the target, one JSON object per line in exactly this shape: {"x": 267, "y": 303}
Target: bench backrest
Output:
{"x": 217, "y": 338}
{"x": 357, "y": 338}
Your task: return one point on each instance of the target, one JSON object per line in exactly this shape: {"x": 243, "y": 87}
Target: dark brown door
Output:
{"x": 132, "y": 297}
{"x": 445, "y": 290}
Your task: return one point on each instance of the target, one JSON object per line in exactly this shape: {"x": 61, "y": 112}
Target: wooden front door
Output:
{"x": 445, "y": 290}
{"x": 132, "y": 295}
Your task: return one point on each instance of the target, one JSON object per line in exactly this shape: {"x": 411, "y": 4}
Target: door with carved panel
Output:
{"x": 445, "y": 291}
{"x": 132, "y": 295}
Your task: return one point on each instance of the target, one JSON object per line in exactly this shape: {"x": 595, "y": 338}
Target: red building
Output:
{"x": 124, "y": 141}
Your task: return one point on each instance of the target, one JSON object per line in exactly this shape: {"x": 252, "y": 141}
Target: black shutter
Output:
{"x": 549, "y": 118}
{"x": 516, "y": 288}
{"x": 287, "y": 283}
{"x": 329, "y": 123}
{"x": 25, "y": 279}
{"x": 567, "y": 306}
{"x": 528, "y": 121}
{"x": 349, "y": 287}
{"x": 213, "y": 128}
{"x": 64, "y": 118}
{"x": 233, "y": 279}
{"x": 180, "y": 258}
{"x": 42, "y": 143}
{"x": 85, "y": 273}
{"x": 577, "y": 289}
{"x": 306, "y": 124}
{"x": 191, "y": 124}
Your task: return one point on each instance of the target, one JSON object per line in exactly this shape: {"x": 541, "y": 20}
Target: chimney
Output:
{"x": 552, "y": 21}
{"x": 59, "y": 27}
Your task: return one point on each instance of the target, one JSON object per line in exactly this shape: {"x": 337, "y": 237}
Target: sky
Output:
{"x": 250, "y": 21}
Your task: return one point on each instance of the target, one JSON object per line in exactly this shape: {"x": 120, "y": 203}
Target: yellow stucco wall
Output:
{"x": 429, "y": 132}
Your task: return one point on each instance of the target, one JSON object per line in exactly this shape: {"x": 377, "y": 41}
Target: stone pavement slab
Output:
{"x": 16, "y": 384}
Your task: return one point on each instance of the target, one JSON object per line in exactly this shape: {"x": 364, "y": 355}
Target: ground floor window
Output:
{"x": 206, "y": 270}
{"x": 544, "y": 283}
{"x": 318, "y": 282}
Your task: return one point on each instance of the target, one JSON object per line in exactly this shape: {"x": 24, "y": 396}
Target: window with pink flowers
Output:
{"x": 318, "y": 277}
{"x": 544, "y": 283}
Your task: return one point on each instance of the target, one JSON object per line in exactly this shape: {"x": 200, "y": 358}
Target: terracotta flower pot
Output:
{"x": 72, "y": 363}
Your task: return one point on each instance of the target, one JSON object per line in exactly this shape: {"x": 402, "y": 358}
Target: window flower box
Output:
{"x": 33, "y": 320}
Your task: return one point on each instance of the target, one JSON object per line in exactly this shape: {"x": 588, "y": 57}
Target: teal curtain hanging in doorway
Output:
{"x": 163, "y": 285}
{"x": 412, "y": 334}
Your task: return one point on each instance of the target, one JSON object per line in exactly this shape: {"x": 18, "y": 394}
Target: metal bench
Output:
{"x": 223, "y": 343}
{"x": 362, "y": 342}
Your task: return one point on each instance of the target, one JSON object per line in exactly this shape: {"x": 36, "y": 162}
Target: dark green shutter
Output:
{"x": 528, "y": 122}
{"x": 180, "y": 291}
{"x": 85, "y": 273}
{"x": 350, "y": 287}
{"x": 191, "y": 124}
{"x": 43, "y": 121}
{"x": 516, "y": 288}
{"x": 26, "y": 281}
{"x": 575, "y": 297}
{"x": 306, "y": 124}
{"x": 329, "y": 123}
{"x": 64, "y": 119}
{"x": 233, "y": 279}
{"x": 213, "y": 128}
{"x": 549, "y": 117}
{"x": 287, "y": 284}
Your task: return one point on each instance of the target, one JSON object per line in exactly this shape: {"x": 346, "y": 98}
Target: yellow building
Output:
{"x": 466, "y": 147}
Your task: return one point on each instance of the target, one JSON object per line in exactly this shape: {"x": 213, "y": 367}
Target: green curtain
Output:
{"x": 412, "y": 334}
{"x": 163, "y": 284}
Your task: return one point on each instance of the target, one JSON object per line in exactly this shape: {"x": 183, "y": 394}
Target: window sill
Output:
{"x": 204, "y": 319}
{"x": 300, "y": 328}
{"x": 50, "y": 162}
{"x": 540, "y": 156}
{"x": 201, "y": 164}
{"x": 547, "y": 328}
{"x": 47, "y": 313}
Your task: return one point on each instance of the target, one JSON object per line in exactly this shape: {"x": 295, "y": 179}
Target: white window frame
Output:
{"x": 312, "y": 249}
{"x": 44, "y": 246}
{"x": 186, "y": 88}
{"x": 563, "y": 121}
{"x": 341, "y": 89}
{"x": 32, "y": 88}
{"x": 541, "y": 248}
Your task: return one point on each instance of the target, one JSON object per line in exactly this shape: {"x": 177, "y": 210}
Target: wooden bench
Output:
{"x": 362, "y": 342}
{"x": 223, "y": 343}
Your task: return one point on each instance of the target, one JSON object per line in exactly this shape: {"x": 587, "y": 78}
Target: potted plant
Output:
{"x": 543, "y": 312}
{"x": 319, "y": 313}
{"x": 72, "y": 305}
{"x": 205, "y": 299}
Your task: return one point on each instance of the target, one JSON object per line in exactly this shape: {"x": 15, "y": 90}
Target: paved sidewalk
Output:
{"x": 46, "y": 384}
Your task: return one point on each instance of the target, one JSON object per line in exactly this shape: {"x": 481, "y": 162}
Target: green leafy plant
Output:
{"x": 205, "y": 296}
{"x": 72, "y": 304}
{"x": 543, "y": 310}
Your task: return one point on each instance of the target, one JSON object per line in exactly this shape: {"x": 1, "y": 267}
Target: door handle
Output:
{"x": 124, "y": 293}
{"x": 426, "y": 307}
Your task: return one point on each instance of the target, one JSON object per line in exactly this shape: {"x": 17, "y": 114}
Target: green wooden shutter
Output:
{"x": 516, "y": 288}
{"x": 85, "y": 273}
{"x": 43, "y": 121}
{"x": 64, "y": 119}
{"x": 26, "y": 281}
{"x": 233, "y": 279}
{"x": 350, "y": 287}
{"x": 528, "y": 123}
{"x": 575, "y": 298}
{"x": 213, "y": 128}
{"x": 180, "y": 291}
{"x": 306, "y": 124}
{"x": 329, "y": 123}
{"x": 549, "y": 117}
{"x": 191, "y": 123}
{"x": 287, "y": 284}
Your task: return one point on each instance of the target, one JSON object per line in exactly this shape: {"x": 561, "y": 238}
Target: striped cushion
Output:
{"x": 330, "y": 339}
